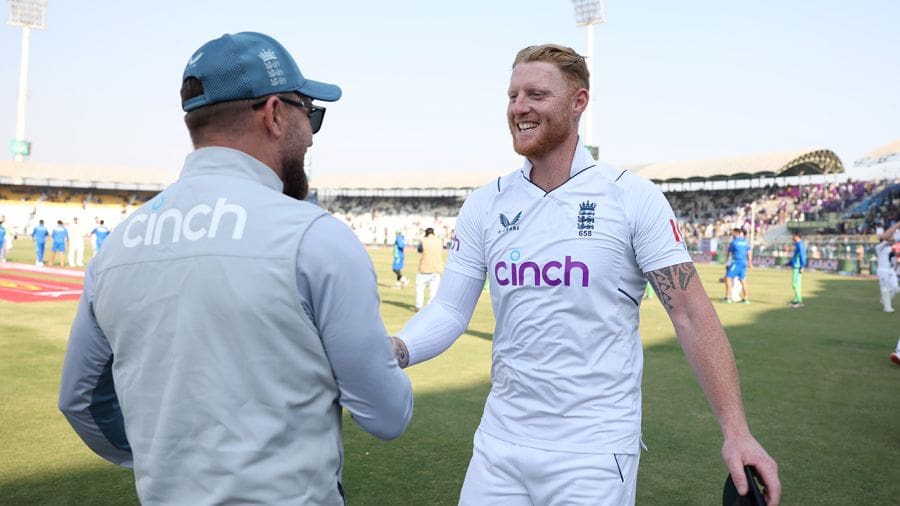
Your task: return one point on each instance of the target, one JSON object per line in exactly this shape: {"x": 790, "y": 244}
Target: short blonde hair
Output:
{"x": 570, "y": 63}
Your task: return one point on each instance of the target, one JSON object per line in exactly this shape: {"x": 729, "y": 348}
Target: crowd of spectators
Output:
{"x": 375, "y": 220}
{"x": 62, "y": 195}
{"x": 23, "y": 206}
{"x": 709, "y": 214}
{"x": 703, "y": 214}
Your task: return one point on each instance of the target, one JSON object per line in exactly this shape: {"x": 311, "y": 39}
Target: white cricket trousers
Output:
{"x": 432, "y": 281}
{"x": 76, "y": 253}
{"x": 506, "y": 474}
{"x": 887, "y": 282}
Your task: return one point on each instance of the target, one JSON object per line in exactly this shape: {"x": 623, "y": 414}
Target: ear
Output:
{"x": 274, "y": 117}
{"x": 580, "y": 100}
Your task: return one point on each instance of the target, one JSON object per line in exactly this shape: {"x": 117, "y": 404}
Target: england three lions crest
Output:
{"x": 585, "y": 219}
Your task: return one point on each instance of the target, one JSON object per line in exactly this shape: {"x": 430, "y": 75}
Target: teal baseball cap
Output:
{"x": 249, "y": 65}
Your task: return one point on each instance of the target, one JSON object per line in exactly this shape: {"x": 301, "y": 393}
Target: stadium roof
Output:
{"x": 79, "y": 176}
{"x": 780, "y": 164}
{"x": 788, "y": 163}
{"x": 888, "y": 149}
{"x": 403, "y": 180}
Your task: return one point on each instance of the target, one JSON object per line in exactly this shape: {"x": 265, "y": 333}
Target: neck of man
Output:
{"x": 253, "y": 146}
{"x": 552, "y": 169}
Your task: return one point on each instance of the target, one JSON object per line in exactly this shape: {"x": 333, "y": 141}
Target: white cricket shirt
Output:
{"x": 566, "y": 279}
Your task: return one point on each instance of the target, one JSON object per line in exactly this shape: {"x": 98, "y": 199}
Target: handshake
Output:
{"x": 400, "y": 351}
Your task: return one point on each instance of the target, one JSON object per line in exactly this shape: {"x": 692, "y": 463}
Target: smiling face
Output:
{"x": 544, "y": 108}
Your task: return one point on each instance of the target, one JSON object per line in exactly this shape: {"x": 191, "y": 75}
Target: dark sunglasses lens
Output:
{"x": 315, "y": 119}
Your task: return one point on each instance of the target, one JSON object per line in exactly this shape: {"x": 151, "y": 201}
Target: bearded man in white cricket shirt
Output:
{"x": 567, "y": 246}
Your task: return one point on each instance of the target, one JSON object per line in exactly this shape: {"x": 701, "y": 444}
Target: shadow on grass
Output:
{"x": 98, "y": 484}
{"x": 481, "y": 335}
{"x": 402, "y": 305}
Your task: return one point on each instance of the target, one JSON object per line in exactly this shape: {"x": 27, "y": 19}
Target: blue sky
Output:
{"x": 424, "y": 82}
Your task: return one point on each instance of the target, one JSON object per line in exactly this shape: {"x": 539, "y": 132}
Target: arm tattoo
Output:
{"x": 400, "y": 351}
{"x": 668, "y": 279}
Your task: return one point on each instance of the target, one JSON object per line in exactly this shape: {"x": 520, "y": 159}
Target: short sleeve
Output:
{"x": 656, "y": 236}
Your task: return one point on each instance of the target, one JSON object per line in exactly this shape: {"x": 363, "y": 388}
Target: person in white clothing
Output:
{"x": 431, "y": 264}
{"x": 887, "y": 274}
{"x": 567, "y": 246}
{"x": 76, "y": 244}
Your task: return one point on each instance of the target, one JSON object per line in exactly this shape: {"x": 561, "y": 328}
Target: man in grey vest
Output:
{"x": 226, "y": 322}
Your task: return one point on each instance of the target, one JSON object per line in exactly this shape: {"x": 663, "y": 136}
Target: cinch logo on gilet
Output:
{"x": 201, "y": 221}
{"x": 553, "y": 273}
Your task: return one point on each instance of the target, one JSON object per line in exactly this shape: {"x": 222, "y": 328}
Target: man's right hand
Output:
{"x": 400, "y": 351}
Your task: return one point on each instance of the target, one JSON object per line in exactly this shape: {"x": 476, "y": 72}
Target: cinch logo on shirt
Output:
{"x": 530, "y": 273}
{"x": 181, "y": 224}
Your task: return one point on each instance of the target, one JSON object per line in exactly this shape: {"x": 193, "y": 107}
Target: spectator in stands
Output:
{"x": 399, "y": 260}
{"x": 60, "y": 238}
{"x": 100, "y": 233}
{"x": 2, "y": 239}
{"x": 228, "y": 339}
{"x": 798, "y": 262}
{"x": 739, "y": 259}
{"x": 76, "y": 244}
{"x": 39, "y": 234}
{"x": 887, "y": 274}
{"x": 431, "y": 265}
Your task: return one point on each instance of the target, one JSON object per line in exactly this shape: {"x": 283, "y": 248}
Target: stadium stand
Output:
{"x": 772, "y": 193}
{"x": 376, "y": 219}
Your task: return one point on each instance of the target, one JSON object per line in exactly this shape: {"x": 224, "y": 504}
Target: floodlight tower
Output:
{"x": 589, "y": 13}
{"x": 28, "y": 14}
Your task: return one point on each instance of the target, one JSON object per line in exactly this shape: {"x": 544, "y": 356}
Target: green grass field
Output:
{"x": 820, "y": 394}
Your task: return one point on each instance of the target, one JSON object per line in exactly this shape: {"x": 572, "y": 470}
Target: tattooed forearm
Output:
{"x": 400, "y": 351}
{"x": 667, "y": 280}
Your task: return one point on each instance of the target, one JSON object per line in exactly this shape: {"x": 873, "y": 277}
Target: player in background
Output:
{"x": 76, "y": 244}
{"x": 60, "y": 237}
{"x": 2, "y": 239}
{"x": 100, "y": 233}
{"x": 798, "y": 262}
{"x": 567, "y": 246}
{"x": 399, "y": 260}
{"x": 895, "y": 356}
{"x": 39, "y": 234}
{"x": 887, "y": 274}
{"x": 431, "y": 264}
{"x": 739, "y": 260}
{"x": 94, "y": 237}
{"x": 212, "y": 348}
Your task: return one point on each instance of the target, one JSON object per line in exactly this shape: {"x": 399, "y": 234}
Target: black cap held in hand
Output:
{"x": 754, "y": 496}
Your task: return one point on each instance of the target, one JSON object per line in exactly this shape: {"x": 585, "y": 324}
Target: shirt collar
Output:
{"x": 580, "y": 161}
{"x": 222, "y": 161}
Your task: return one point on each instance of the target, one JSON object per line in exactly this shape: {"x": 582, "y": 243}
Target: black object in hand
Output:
{"x": 754, "y": 496}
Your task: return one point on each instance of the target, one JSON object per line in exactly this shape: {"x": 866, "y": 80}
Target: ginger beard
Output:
{"x": 547, "y": 123}
{"x": 539, "y": 141}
